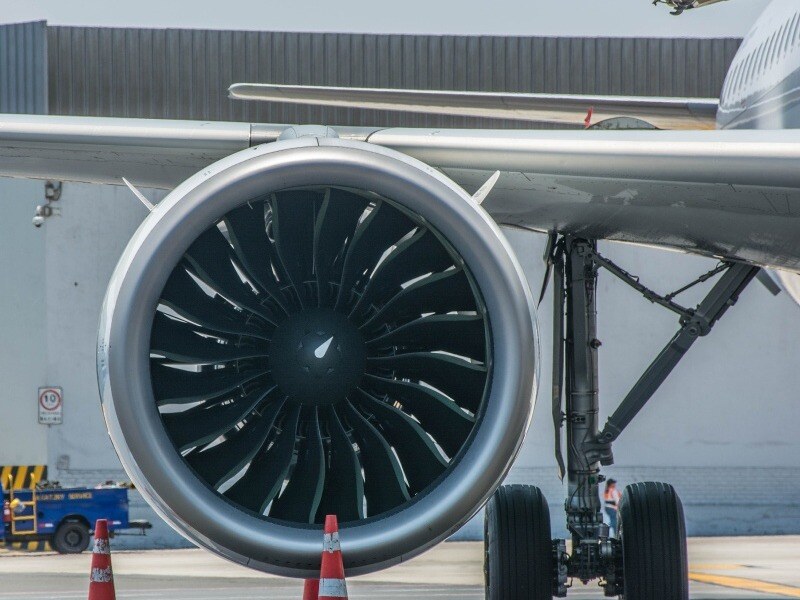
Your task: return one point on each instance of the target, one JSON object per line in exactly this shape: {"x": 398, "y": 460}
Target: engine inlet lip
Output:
{"x": 123, "y": 366}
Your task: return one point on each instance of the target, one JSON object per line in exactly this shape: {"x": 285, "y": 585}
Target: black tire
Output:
{"x": 71, "y": 537}
{"x": 653, "y": 534}
{"x": 518, "y": 551}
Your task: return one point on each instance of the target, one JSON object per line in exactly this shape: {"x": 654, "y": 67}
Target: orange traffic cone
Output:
{"x": 311, "y": 589}
{"x": 101, "y": 579}
{"x": 332, "y": 585}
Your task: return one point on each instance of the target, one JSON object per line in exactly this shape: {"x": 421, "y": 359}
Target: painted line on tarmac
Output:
{"x": 751, "y": 585}
{"x": 716, "y": 567}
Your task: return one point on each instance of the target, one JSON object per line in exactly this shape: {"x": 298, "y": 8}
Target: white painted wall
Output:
{"x": 83, "y": 246}
{"x": 723, "y": 428}
{"x": 22, "y": 325}
{"x": 732, "y": 402}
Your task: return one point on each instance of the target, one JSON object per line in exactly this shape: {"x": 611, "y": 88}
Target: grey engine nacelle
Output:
{"x": 317, "y": 326}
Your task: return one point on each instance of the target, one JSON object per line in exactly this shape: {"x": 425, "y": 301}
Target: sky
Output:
{"x": 499, "y": 17}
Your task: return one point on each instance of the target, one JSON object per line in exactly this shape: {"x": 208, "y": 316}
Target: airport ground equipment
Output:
{"x": 101, "y": 576}
{"x": 311, "y": 589}
{"x": 64, "y": 516}
{"x": 331, "y": 581}
{"x": 647, "y": 561}
{"x": 332, "y": 584}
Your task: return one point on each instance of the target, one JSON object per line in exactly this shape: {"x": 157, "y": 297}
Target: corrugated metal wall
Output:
{"x": 23, "y": 68}
{"x": 184, "y": 74}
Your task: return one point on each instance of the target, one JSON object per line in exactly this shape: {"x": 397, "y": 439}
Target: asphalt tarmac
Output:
{"x": 721, "y": 568}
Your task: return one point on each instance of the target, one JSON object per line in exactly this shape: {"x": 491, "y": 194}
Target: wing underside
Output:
{"x": 564, "y": 109}
{"x": 728, "y": 194}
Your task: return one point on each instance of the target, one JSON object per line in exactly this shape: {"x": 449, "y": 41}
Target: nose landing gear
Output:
{"x": 647, "y": 561}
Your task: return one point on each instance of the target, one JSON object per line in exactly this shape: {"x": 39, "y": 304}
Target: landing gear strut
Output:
{"x": 647, "y": 559}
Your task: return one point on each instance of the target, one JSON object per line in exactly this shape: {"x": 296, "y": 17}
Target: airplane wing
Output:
{"x": 728, "y": 194}
{"x": 663, "y": 113}
{"x": 151, "y": 152}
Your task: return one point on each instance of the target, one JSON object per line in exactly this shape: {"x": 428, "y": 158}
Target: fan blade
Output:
{"x": 178, "y": 386}
{"x": 300, "y": 500}
{"x": 203, "y": 424}
{"x": 336, "y": 223}
{"x": 344, "y": 486}
{"x": 375, "y": 234}
{"x": 464, "y": 382}
{"x": 219, "y": 463}
{"x": 210, "y": 257}
{"x": 183, "y": 295}
{"x": 421, "y": 461}
{"x": 264, "y": 478}
{"x": 179, "y": 341}
{"x": 439, "y": 416}
{"x": 247, "y": 229}
{"x": 442, "y": 292}
{"x": 293, "y": 216}
{"x": 419, "y": 255}
{"x": 384, "y": 484}
{"x": 464, "y": 335}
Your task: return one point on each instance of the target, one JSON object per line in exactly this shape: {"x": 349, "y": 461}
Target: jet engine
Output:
{"x": 317, "y": 326}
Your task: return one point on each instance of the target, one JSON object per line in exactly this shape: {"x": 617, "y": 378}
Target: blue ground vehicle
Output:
{"x": 65, "y": 516}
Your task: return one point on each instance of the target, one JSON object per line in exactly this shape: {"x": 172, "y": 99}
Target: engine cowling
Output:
{"x": 317, "y": 326}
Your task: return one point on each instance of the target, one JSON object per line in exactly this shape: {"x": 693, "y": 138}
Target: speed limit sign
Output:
{"x": 51, "y": 405}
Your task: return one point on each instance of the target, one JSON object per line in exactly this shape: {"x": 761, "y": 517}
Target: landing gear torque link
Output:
{"x": 647, "y": 558}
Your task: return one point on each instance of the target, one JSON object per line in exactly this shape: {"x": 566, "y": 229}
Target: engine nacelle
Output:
{"x": 317, "y": 326}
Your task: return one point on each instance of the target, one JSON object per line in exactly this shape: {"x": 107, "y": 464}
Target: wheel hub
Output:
{"x": 317, "y": 357}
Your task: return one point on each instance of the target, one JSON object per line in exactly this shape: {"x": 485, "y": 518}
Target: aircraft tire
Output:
{"x": 518, "y": 553}
{"x": 653, "y": 535}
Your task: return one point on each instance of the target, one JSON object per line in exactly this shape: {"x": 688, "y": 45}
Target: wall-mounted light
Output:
{"x": 52, "y": 193}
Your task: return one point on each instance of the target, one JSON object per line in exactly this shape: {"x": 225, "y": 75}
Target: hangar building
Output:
{"x": 722, "y": 429}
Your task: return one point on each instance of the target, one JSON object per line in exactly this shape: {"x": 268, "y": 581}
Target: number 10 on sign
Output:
{"x": 51, "y": 405}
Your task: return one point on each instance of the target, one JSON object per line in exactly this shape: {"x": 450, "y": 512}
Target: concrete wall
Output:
{"x": 722, "y": 429}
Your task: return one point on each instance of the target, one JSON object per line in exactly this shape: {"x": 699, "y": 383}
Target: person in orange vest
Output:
{"x": 611, "y": 497}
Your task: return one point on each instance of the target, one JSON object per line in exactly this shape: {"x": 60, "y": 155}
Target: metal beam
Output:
{"x": 722, "y": 296}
